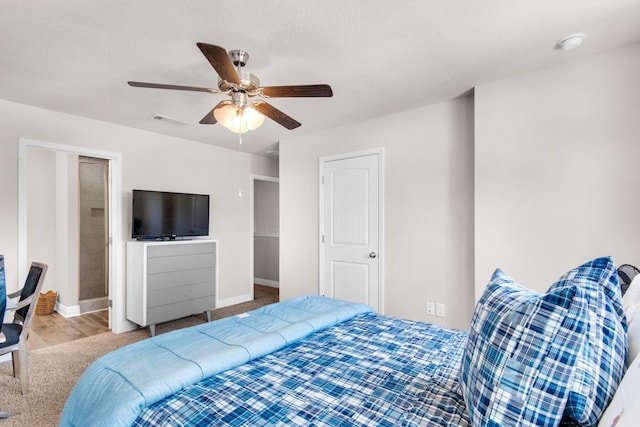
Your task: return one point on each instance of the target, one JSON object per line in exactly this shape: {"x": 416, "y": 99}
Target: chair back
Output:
{"x": 3, "y": 291}
{"x": 626, "y": 273}
{"x": 31, "y": 288}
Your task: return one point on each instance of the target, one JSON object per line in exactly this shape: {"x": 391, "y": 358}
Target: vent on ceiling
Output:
{"x": 169, "y": 120}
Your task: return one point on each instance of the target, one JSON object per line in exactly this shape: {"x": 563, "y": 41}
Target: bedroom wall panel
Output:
{"x": 556, "y": 169}
{"x": 428, "y": 207}
{"x": 151, "y": 161}
{"x": 52, "y": 233}
{"x": 41, "y": 184}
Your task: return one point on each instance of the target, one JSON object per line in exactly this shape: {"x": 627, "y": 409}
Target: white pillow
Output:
{"x": 624, "y": 409}
{"x": 633, "y": 331}
{"x": 631, "y": 298}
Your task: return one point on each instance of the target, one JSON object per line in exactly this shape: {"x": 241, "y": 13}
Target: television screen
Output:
{"x": 161, "y": 214}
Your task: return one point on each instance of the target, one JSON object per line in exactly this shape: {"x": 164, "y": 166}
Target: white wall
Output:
{"x": 41, "y": 186}
{"x": 52, "y": 210}
{"x": 557, "y": 160}
{"x": 67, "y": 231}
{"x": 150, "y": 161}
{"x": 428, "y": 208}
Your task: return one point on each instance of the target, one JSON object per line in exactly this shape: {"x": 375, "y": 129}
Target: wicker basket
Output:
{"x": 46, "y": 303}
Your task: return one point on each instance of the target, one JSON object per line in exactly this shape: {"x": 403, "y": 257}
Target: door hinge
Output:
{"x": 110, "y": 303}
{"x": 322, "y": 179}
{"x": 323, "y": 238}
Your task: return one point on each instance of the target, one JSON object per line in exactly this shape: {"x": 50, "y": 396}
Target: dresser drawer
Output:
{"x": 171, "y": 279}
{"x": 179, "y": 294}
{"x": 180, "y": 263}
{"x": 169, "y": 250}
{"x": 177, "y": 310}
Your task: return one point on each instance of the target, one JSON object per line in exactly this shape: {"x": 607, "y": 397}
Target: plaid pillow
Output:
{"x": 603, "y": 359}
{"x": 518, "y": 363}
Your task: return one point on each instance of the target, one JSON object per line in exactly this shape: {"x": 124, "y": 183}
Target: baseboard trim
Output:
{"x": 266, "y": 282}
{"x": 235, "y": 300}
{"x": 93, "y": 305}
{"x": 71, "y": 311}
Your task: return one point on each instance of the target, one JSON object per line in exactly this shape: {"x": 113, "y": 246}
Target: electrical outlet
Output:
{"x": 431, "y": 309}
{"x": 440, "y": 310}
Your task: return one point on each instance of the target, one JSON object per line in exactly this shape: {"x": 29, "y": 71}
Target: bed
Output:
{"x": 528, "y": 358}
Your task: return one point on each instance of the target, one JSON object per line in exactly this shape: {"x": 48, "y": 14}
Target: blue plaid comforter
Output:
{"x": 369, "y": 370}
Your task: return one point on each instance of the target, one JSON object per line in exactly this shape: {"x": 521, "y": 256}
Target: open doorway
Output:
{"x": 266, "y": 233}
{"x": 54, "y": 198}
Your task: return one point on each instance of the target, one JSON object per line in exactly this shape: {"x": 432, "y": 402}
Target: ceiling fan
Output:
{"x": 242, "y": 113}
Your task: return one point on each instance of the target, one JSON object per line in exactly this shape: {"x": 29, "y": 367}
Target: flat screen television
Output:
{"x": 165, "y": 215}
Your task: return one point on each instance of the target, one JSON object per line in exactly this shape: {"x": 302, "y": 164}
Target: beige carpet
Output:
{"x": 53, "y": 371}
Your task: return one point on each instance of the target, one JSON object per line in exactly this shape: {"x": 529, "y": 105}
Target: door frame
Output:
{"x": 321, "y": 204}
{"x": 117, "y": 320}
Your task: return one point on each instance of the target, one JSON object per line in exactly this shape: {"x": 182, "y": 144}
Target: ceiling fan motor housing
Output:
{"x": 248, "y": 82}
{"x": 239, "y": 99}
{"x": 239, "y": 58}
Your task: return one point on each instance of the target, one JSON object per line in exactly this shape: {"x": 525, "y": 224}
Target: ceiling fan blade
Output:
{"x": 219, "y": 59}
{"x": 276, "y": 115}
{"x": 296, "y": 91}
{"x": 210, "y": 119}
{"x": 174, "y": 87}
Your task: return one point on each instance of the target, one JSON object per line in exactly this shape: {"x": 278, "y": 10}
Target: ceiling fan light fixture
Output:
{"x": 238, "y": 115}
{"x": 238, "y": 125}
{"x": 238, "y": 119}
{"x": 246, "y": 119}
{"x": 225, "y": 113}
{"x": 253, "y": 118}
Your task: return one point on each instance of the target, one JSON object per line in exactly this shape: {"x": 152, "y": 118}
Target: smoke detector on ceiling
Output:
{"x": 572, "y": 41}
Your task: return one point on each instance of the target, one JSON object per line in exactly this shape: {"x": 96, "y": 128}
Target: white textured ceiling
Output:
{"x": 380, "y": 57}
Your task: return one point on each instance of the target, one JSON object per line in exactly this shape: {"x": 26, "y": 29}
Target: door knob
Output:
{"x": 373, "y": 255}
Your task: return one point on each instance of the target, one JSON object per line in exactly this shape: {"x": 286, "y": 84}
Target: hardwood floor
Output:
{"x": 55, "y": 329}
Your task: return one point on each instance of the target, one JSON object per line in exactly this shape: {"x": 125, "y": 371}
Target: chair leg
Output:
{"x": 21, "y": 366}
{"x": 24, "y": 367}
{"x": 15, "y": 361}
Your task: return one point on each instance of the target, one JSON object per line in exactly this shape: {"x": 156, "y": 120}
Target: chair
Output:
{"x": 16, "y": 333}
{"x": 3, "y": 297}
{"x": 626, "y": 273}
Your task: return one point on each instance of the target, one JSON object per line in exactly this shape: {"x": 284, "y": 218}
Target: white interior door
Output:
{"x": 350, "y": 235}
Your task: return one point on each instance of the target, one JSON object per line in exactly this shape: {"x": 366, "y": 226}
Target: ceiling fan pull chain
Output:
{"x": 240, "y": 158}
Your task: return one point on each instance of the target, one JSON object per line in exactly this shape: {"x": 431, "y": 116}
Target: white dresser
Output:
{"x": 167, "y": 280}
